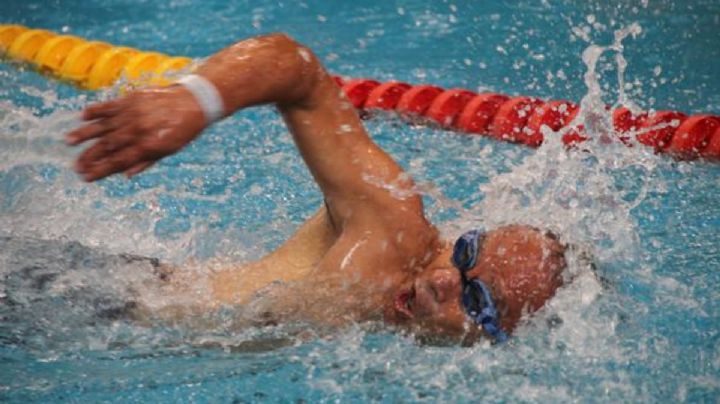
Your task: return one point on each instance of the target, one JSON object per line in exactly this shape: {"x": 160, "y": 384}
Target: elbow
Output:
{"x": 299, "y": 61}
{"x": 279, "y": 48}
{"x": 282, "y": 39}
{"x": 286, "y": 44}
{"x": 275, "y": 66}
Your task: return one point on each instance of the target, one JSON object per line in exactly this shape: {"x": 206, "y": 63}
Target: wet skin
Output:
{"x": 385, "y": 258}
{"x": 521, "y": 265}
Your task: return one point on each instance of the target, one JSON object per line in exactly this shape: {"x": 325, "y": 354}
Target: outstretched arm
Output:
{"x": 139, "y": 129}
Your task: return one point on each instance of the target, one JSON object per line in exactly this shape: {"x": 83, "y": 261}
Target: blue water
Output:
{"x": 651, "y": 335}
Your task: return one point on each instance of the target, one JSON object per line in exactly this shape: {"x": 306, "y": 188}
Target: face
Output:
{"x": 429, "y": 304}
{"x": 520, "y": 265}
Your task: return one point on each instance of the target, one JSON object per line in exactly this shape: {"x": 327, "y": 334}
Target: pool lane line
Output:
{"x": 94, "y": 65}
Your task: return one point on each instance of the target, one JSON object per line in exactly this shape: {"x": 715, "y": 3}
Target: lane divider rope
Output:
{"x": 94, "y": 65}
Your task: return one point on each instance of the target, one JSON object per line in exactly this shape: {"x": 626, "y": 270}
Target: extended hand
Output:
{"x": 135, "y": 131}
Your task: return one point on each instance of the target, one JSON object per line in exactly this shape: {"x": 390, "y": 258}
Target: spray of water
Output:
{"x": 574, "y": 193}
{"x": 580, "y": 195}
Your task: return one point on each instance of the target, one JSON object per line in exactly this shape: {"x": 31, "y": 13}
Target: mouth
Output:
{"x": 404, "y": 303}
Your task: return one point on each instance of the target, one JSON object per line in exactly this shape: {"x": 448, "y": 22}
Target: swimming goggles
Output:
{"x": 476, "y": 298}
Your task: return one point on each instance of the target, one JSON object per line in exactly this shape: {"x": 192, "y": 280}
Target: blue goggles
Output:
{"x": 476, "y": 298}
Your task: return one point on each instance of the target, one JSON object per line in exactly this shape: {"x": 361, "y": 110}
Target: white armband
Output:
{"x": 206, "y": 95}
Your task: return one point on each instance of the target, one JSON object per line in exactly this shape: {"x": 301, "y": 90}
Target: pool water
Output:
{"x": 649, "y": 332}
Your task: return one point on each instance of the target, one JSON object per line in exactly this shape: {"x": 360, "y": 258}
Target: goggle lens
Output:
{"x": 476, "y": 298}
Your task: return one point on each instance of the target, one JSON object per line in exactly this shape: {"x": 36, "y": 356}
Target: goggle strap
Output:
{"x": 488, "y": 316}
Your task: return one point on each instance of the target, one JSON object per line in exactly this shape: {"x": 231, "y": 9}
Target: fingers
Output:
{"x": 116, "y": 163}
{"x": 118, "y": 139}
{"x": 102, "y": 109}
{"x": 138, "y": 168}
{"x": 92, "y": 130}
{"x": 105, "y": 148}
{"x": 85, "y": 132}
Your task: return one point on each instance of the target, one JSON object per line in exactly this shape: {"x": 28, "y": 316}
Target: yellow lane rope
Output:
{"x": 89, "y": 64}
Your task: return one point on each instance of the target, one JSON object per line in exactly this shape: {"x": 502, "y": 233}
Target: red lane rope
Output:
{"x": 520, "y": 119}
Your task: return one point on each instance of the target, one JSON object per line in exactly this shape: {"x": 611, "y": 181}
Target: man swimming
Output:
{"x": 370, "y": 253}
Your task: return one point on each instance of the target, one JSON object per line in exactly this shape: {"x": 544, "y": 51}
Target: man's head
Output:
{"x": 519, "y": 267}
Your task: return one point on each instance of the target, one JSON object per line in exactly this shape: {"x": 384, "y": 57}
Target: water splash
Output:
{"x": 583, "y": 337}
{"x": 575, "y": 193}
{"x": 580, "y": 194}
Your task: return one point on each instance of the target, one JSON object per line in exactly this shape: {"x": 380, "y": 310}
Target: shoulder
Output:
{"x": 399, "y": 238}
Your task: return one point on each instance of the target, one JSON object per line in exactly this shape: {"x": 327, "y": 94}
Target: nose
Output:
{"x": 444, "y": 284}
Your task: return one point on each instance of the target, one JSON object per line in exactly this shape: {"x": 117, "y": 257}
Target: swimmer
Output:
{"x": 368, "y": 254}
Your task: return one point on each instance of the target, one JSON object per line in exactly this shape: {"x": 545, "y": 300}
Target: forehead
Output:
{"x": 510, "y": 247}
